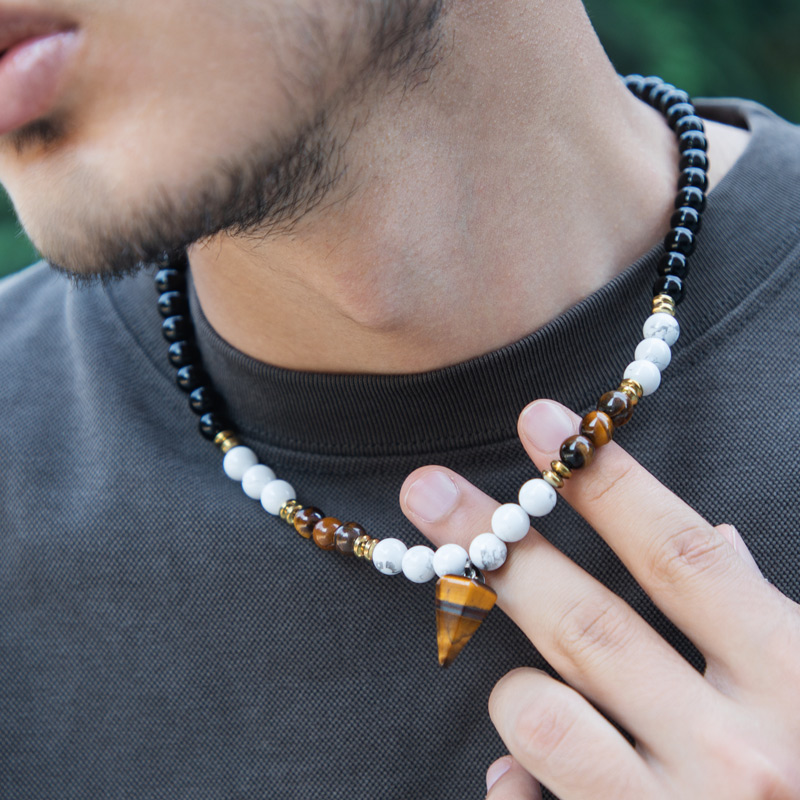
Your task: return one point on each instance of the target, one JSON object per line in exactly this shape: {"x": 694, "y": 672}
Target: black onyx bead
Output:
{"x": 183, "y": 353}
{"x": 694, "y": 158}
{"x": 680, "y": 240}
{"x": 203, "y": 399}
{"x": 671, "y": 98}
{"x": 692, "y": 140}
{"x": 657, "y": 92}
{"x": 172, "y": 303}
{"x": 170, "y": 280}
{"x": 677, "y": 112}
{"x": 671, "y": 285}
{"x": 693, "y": 176}
{"x": 692, "y": 197}
{"x": 686, "y": 217}
{"x": 691, "y": 122}
{"x": 176, "y": 328}
{"x": 190, "y": 377}
{"x": 212, "y": 423}
{"x": 634, "y": 83}
{"x": 673, "y": 264}
{"x": 648, "y": 84}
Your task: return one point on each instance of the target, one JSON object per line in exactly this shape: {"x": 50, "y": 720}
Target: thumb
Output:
{"x": 507, "y": 780}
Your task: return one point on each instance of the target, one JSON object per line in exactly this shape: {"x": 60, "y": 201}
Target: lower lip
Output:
{"x": 31, "y": 74}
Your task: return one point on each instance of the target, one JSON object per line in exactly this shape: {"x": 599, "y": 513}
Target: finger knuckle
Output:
{"x": 542, "y": 730}
{"x": 748, "y": 771}
{"x": 592, "y": 629}
{"x": 686, "y": 553}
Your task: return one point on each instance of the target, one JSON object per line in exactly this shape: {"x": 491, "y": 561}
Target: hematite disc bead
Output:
{"x": 203, "y": 399}
{"x": 190, "y": 377}
{"x": 598, "y": 427}
{"x": 686, "y": 217}
{"x": 634, "y": 83}
{"x": 671, "y": 285}
{"x": 170, "y": 280}
{"x": 577, "y": 451}
{"x": 692, "y": 197}
{"x": 211, "y": 424}
{"x": 183, "y": 353}
{"x": 692, "y": 140}
{"x": 673, "y": 264}
{"x": 617, "y": 405}
{"x": 172, "y": 303}
{"x": 176, "y": 328}
{"x": 694, "y": 158}
{"x": 679, "y": 240}
{"x": 693, "y": 176}
{"x": 345, "y": 537}
{"x": 306, "y": 519}
{"x": 324, "y": 533}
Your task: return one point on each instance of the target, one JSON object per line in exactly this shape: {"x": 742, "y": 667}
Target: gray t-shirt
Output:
{"x": 161, "y": 636}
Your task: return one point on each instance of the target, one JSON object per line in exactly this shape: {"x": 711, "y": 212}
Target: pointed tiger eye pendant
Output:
{"x": 461, "y": 605}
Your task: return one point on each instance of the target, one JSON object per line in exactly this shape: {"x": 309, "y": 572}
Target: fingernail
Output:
{"x": 496, "y": 771}
{"x": 546, "y": 425}
{"x": 432, "y": 497}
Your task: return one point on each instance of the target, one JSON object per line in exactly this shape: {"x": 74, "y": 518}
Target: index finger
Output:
{"x": 687, "y": 567}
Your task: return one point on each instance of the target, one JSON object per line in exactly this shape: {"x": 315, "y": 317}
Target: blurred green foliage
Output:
{"x": 736, "y": 48}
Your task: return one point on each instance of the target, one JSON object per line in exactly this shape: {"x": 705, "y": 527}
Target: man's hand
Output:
{"x": 732, "y": 733}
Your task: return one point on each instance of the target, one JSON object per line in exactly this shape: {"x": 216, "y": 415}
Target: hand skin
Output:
{"x": 731, "y": 733}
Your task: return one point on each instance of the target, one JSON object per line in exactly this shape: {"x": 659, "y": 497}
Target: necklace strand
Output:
{"x": 462, "y": 600}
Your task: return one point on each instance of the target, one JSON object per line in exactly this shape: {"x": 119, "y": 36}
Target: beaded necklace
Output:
{"x": 462, "y": 598}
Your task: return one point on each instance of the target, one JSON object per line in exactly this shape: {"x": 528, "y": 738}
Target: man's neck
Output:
{"x": 473, "y": 209}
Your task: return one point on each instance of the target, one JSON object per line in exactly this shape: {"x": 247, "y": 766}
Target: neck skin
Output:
{"x": 475, "y": 208}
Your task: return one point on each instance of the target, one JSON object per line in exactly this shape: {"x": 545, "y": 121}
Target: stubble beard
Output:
{"x": 269, "y": 191}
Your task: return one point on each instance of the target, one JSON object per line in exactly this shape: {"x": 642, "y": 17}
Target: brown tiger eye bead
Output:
{"x": 577, "y": 451}
{"x": 617, "y": 405}
{"x": 346, "y": 536}
{"x": 306, "y": 519}
{"x": 324, "y": 533}
{"x": 598, "y": 427}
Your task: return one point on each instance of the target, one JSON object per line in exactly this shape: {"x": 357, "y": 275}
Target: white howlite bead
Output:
{"x": 417, "y": 563}
{"x": 646, "y": 373}
{"x": 487, "y": 552}
{"x": 662, "y": 326}
{"x": 255, "y": 479}
{"x": 450, "y": 559}
{"x": 275, "y": 494}
{"x": 655, "y": 350}
{"x": 387, "y": 557}
{"x": 537, "y": 497}
{"x": 237, "y": 461}
{"x": 511, "y": 523}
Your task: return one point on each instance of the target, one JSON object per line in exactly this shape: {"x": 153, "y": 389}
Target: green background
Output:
{"x": 741, "y": 48}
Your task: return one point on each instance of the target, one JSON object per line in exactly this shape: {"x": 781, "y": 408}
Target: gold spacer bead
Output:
{"x": 226, "y": 440}
{"x": 633, "y": 389}
{"x": 289, "y": 510}
{"x": 369, "y": 548}
{"x": 554, "y": 479}
{"x": 561, "y": 469}
{"x": 663, "y": 304}
{"x": 360, "y": 544}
